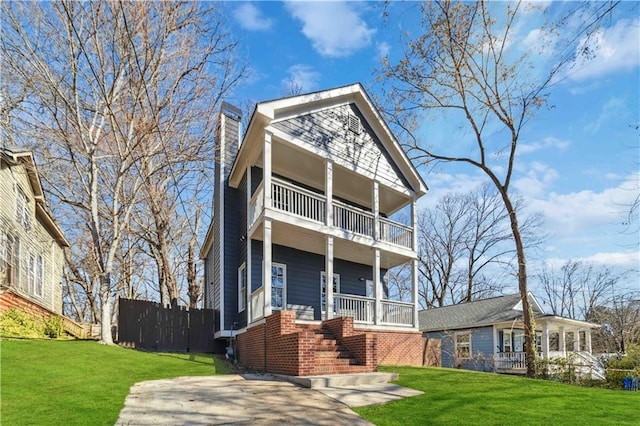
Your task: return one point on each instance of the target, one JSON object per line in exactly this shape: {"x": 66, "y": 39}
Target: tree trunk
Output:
{"x": 105, "y": 314}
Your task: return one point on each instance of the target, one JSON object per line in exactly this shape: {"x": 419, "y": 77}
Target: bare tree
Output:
{"x": 460, "y": 239}
{"x": 108, "y": 85}
{"x": 464, "y": 63}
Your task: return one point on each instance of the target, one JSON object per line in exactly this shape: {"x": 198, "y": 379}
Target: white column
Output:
{"x": 414, "y": 221}
{"x": 377, "y": 285}
{"x": 414, "y": 288}
{"x": 266, "y": 154}
{"x": 576, "y": 341}
{"x": 328, "y": 271}
{"x": 375, "y": 207}
{"x": 545, "y": 340}
{"x": 266, "y": 266}
{"x": 587, "y": 336}
{"x": 248, "y": 239}
{"x": 328, "y": 192}
{"x": 561, "y": 344}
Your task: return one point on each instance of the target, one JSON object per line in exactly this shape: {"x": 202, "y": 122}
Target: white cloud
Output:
{"x": 383, "y": 49}
{"x": 548, "y": 142}
{"x": 302, "y": 78}
{"x": 624, "y": 259}
{"x": 614, "y": 107}
{"x": 334, "y": 28}
{"x": 536, "y": 179}
{"x": 615, "y": 48}
{"x": 250, "y": 18}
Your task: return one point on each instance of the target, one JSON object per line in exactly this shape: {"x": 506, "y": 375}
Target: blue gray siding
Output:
{"x": 303, "y": 276}
{"x": 481, "y": 348}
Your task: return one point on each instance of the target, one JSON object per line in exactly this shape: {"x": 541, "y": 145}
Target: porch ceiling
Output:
{"x": 314, "y": 242}
{"x": 300, "y": 165}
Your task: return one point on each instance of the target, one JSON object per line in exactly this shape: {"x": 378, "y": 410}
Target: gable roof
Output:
{"x": 15, "y": 156}
{"x": 476, "y": 313}
{"x": 266, "y": 112}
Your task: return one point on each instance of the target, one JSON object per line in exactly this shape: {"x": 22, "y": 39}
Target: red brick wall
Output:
{"x": 399, "y": 348}
{"x": 251, "y": 347}
{"x": 289, "y": 350}
{"x": 340, "y": 327}
{"x": 363, "y": 347}
{"x": 10, "y": 300}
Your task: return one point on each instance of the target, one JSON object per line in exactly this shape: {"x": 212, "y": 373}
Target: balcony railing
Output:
{"x": 511, "y": 360}
{"x": 301, "y": 202}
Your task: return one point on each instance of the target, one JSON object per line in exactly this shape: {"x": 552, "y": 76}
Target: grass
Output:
{"x": 455, "y": 397}
{"x": 46, "y": 382}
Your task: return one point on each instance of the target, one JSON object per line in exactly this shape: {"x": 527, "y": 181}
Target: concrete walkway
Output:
{"x": 261, "y": 400}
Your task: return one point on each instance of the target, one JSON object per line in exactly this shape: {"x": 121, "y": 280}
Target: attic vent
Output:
{"x": 353, "y": 123}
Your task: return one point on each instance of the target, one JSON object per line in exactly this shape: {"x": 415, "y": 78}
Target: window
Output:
{"x": 22, "y": 210}
{"x": 463, "y": 345}
{"x": 10, "y": 260}
{"x": 278, "y": 285}
{"x": 518, "y": 341}
{"x": 323, "y": 290}
{"x": 242, "y": 287}
{"x": 506, "y": 341}
{"x": 36, "y": 274}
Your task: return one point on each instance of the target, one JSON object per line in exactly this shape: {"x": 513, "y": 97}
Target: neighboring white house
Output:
{"x": 31, "y": 243}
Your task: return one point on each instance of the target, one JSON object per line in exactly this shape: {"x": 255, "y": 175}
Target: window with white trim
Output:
{"x": 22, "y": 210}
{"x": 278, "y": 285}
{"x": 463, "y": 345}
{"x": 242, "y": 287}
{"x": 36, "y": 274}
{"x": 323, "y": 290}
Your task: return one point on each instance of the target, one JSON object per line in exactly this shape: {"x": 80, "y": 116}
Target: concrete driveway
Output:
{"x": 232, "y": 399}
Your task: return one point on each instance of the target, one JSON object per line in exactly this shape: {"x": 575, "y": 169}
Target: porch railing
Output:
{"x": 396, "y": 233}
{"x": 290, "y": 198}
{"x": 352, "y": 219}
{"x": 360, "y": 308}
{"x": 397, "y": 313}
{"x": 257, "y": 304}
{"x": 511, "y": 360}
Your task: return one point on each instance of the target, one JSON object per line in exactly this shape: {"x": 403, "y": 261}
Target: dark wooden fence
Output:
{"x": 148, "y": 325}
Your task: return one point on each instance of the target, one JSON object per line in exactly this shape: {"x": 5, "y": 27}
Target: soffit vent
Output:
{"x": 353, "y": 124}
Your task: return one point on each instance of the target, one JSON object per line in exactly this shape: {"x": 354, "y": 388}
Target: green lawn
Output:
{"x": 82, "y": 382}
{"x": 454, "y": 397}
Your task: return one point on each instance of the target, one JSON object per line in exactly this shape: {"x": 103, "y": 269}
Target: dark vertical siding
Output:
{"x": 241, "y": 253}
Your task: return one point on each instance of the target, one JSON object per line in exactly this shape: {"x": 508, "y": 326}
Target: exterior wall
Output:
{"x": 327, "y": 130}
{"x": 400, "y": 348}
{"x": 481, "y": 348}
{"x": 303, "y": 276}
{"x": 36, "y": 240}
{"x": 251, "y": 347}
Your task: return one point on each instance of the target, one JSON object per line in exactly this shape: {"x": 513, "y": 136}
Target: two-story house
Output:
{"x": 31, "y": 243}
{"x": 313, "y": 190}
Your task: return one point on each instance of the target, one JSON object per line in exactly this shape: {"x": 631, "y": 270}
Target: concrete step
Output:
{"x": 337, "y": 380}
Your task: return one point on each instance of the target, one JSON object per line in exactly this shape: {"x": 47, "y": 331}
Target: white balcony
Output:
{"x": 303, "y": 203}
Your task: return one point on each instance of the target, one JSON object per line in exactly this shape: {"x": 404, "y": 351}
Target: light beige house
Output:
{"x": 31, "y": 243}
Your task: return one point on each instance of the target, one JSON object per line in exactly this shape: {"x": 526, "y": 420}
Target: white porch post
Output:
{"x": 414, "y": 222}
{"x": 266, "y": 266}
{"x": 328, "y": 274}
{"x": 414, "y": 288}
{"x": 248, "y": 239}
{"x": 576, "y": 340}
{"x": 587, "y": 337}
{"x": 375, "y": 207}
{"x": 377, "y": 285}
{"x": 545, "y": 340}
{"x": 328, "y": 192}
{"x": 266, "y": 239}
{"x": 561, "y": 344}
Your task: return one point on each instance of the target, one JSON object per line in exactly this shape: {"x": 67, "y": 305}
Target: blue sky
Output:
{"x": 579, "y": 156}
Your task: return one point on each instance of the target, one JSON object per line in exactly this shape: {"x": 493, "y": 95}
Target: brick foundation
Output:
{"x": 9, "y": 300}
{"x": 281, "y": 346}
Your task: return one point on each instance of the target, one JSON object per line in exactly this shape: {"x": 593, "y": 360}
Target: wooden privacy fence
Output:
{"x": 148, "y": 325}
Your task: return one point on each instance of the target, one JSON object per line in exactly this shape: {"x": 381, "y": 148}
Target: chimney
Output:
{"x": 227, "y": 138}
